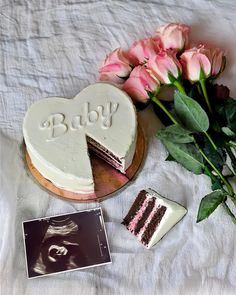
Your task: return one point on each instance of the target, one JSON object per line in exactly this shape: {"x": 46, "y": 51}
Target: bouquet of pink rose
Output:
{"x": 200, "y": 130}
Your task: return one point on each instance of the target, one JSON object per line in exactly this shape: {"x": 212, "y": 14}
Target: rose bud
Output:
{"x": 196, "y": 64}
{"x": 165, "y": 67}
{"x": 116, "y": 67}
{"x": 141, "y": 51}
{"x": 139, "y": 84}
{"x": 174, "y": 36}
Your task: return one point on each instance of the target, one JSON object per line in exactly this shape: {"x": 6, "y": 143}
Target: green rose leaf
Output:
{"x": 185, "y": 154}
{"x": 209, "y": 203}
{"x": 215, "y": 182}
{"x": 226, "y": 111}
{"x": 191, "y": 114}
{"x": 170, "y": 158}
{"x": 175, "y": 133}
{"x": 230, "y": 111}
{"x": 217, "y": 157}
{"x": 228, "y": 131}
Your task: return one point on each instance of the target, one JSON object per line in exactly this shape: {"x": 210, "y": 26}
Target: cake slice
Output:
{"x": 151, "y": 216}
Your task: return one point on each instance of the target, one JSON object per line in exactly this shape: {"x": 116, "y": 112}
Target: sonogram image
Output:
{"x": 65, "y": 242}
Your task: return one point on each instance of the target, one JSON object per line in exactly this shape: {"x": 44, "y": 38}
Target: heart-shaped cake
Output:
{"x": 58, "y": 133}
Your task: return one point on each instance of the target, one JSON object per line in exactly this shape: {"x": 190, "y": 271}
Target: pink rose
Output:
{"x": 174, "y": 36}
{"x": 141, "y": 51}
{"x": 116, "y": 67}
{"x": 165, "y": 67}
{"x": 217, "y": 60}
{"x": 196, "y": 63}
{"x": 139, "y": 84}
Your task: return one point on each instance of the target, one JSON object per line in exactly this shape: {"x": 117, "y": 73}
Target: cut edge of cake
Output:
{"x": 119, "y": 163}
{"x": 151, "y": 216}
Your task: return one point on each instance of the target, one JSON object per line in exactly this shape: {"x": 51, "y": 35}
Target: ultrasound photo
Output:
{"x": 66, "y": 242}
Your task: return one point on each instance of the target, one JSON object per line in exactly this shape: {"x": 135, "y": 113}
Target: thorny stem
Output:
{"x": 203, "y": 86}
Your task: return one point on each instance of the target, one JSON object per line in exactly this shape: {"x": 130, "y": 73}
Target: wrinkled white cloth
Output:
{"x": 54, "y": 48}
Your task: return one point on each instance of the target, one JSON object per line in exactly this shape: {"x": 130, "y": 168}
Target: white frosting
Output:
{"x": 174, "y": 213}
{"x": 55, "y": 132}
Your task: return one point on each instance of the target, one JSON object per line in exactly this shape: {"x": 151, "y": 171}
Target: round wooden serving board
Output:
{"x": 106, "y": 178}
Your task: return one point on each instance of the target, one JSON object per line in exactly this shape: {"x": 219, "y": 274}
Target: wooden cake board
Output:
{"x": 107, "y": 179}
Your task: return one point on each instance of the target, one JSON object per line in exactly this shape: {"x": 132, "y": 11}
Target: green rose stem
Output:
{"x": 210, "y": 174}
{"x": 225, "y": 206}
{"x": 231, "y": 170}
{"x": 232, "y": 157}
{"x": 211, "y": 141}
{"x": 227, "y": 184}
{"x": 199, "y": 89}
{"x": 179, "y": 86}
{"x": 203, "y": 86}
{"x": 160, "y": 104}
{"x": 215, "y": 147}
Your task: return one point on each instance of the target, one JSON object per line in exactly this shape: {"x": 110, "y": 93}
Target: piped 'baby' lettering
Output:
{"x": 56, "y": 125}
{"x": 103, "y": 114}
{"x": 107, "y": 113}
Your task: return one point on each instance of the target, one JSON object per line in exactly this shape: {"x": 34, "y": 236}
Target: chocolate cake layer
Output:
{"x": 102, "y": 149}
{"x": 135, "y": 207}
{"x": 105, "y": 154}
{"x": 146, "y": 213}
{"x": 151, "y": 228}
{"x": 105, "y": 157}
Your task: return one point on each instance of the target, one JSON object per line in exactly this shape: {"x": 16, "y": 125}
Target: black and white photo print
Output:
{"x": 66, "y": 242}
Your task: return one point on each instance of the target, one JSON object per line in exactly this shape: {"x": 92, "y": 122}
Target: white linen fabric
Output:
{"x": 54, "y": 48}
